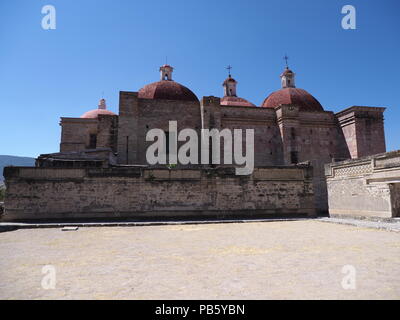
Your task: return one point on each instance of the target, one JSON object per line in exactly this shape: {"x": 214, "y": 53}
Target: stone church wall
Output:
{"x": 156, "y": 114}
{"x": 366, "y": 187}
{"x": 75, "y": 133}
{"x": 139, "y": 193}
{"x": 138, "y": 116}
{"x": 267, "y": 139}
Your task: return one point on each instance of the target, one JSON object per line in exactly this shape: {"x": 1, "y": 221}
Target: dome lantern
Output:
{"x": 229, "y": 85}
{"x": 230, "y": 98}
{"x": 166, "y": 72}
{"x": 287, "y": 77}
{"x": 102, "y": 104}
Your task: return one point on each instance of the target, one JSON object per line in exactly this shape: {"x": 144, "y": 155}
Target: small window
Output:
{"x": 92, "y": 141}
{"x": 293, "y": 133}
{"x": 294, "y": 157}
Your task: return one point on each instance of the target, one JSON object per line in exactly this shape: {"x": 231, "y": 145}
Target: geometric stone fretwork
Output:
{"x": 353, "y": 170}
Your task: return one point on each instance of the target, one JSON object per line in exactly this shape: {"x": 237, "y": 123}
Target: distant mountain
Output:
{"x": 14, "y": 161}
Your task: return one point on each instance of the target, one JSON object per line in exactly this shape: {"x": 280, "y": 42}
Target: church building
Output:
{"x": 290, "y": 127}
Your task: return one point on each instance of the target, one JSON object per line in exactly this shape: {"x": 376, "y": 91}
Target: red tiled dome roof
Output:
{"x": 168, "y": 90}
{"x": 297, "y": 96}
{"x": 95, "y": 113}
{"x": 235, "y": 101}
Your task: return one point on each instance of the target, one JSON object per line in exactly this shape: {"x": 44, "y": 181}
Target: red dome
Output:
{"x": 168, "y": 90}
{"x": 235, "y": 101}
{"x": 95, "y": 113}
{"x": 296, "y": 96}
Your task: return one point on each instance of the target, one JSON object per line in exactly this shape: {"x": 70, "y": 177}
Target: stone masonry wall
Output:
{"x": 75, "y": 133}
{"x": 138, "y": 116}
{"x": 363, "y": 129}
{"x": 267, "y": 139}
{"x": 395, "y": 198}
{"x": 48, "y": 193}
{"x": 365, "y": 187}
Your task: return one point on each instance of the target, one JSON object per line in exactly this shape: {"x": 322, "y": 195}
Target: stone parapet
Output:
{"x": 139, "y": 193}
{"x": 365, "y": 187}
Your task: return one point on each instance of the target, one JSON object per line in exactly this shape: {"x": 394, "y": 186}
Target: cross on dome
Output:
{"x": 286, "y": 58}
{"x": 229, "y": 70}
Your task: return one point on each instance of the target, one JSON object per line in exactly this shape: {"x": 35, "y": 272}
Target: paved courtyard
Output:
{"x": 263, "y": 260}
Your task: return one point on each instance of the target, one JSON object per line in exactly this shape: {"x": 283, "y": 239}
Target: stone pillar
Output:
{"x": 288, "y": 122}
{"x": 210, "y": 110}
{"x": 128, "y": 127}
{"x": 107, "y": 127}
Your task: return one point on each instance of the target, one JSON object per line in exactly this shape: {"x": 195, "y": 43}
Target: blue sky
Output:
{"x": 118, "y": 45}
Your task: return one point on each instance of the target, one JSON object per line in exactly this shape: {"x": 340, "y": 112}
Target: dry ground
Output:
{"x": 270, "y": 260}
